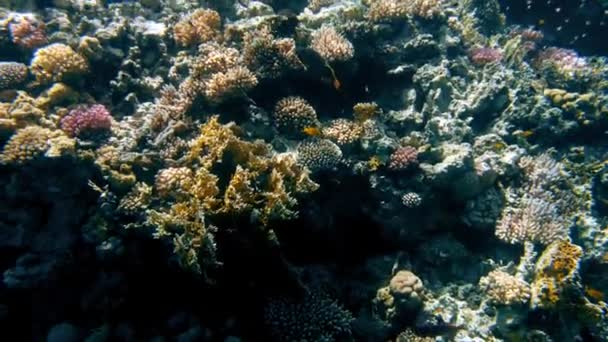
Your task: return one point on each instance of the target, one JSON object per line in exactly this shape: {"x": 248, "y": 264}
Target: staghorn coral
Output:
{"x": 200, "y": 26}
{"x": 294, "y": 114}
{"x": 34, "y": 142}
{"x": 27, "y": 31}
{"x": 331, "y": 45}
{"x": 556, "y": 271}
{"x": 319, "y": 154}
{"x": 269, "y": 57}
{"x": 85, "y": 121}
{"x": 343, "y": 131}
{"x": 505, "y": 289}
{"x": 12, "y": 74}
{"x": 56, "y": 63}
{"x": 314, "y": 317}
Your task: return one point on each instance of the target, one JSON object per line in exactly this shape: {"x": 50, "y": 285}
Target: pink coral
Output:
{"x": 403, "y": 158}
{"x": 27, "y": 32}
{"x": 86, "y": 120}
{"x": 484, "y": 55}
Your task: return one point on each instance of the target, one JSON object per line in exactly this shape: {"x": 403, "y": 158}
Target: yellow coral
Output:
{"x": 365, "y": 110}
{"x": 505, "y": 289}
{"x": 555, "y": 270}
{"x": 56, "y": 63}
{"x": 136, "y": 200}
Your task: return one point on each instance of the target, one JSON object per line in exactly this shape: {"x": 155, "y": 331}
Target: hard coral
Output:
{"x": 331, "y": 45}
{"x": 403, "y": 158}
{"x": 57, "y": 62}
{"x": 86, "y": 120}
{"x": 314, "y": 317}
{"x": 343, "y": 131}
{"x": 12, "y": 74}
{"x": 201, "y": 26}
{"x": 34, "y": 142}
{"x": 381, "y": 10}
{"x": 294, "y": 114}
{"x": 234, "y": 82}
{"x": 269, "y": 57}
{"x": 319, "y": 154}
{"x": 27, "y": 32}
{"x": 484, "y": 55}
{"x": 505, "y": 289}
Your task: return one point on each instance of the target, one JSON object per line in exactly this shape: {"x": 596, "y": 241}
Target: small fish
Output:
{"x": 594, "y": 293}
{"x": 312, "y": 131}
{"x": 434, "y": 325}
{"x": 336, "y": 83}
{"x": 524, "y": 134}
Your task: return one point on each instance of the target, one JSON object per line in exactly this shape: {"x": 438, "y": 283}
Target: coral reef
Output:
{"x": 322, "y": 170}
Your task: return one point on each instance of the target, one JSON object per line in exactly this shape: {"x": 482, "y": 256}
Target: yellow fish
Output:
{"x": 312, "y": 131}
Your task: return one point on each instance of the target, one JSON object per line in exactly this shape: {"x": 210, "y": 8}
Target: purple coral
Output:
{"x": 565, "y": 60}
{"x": 86, "y": 120}
{"x": 403, "y": 158}
{"x": 485, "y": 55}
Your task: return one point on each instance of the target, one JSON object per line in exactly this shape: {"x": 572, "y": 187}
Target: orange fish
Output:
{"x": 337, "y": 84}
{"x": 312, "y": 131}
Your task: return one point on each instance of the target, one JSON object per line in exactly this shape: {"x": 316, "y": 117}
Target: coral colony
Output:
{"x": 330, "y": 170}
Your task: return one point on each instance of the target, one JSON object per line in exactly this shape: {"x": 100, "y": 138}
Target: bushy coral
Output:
{"x": 57, "y": 62}
{"x": 200, "y": 26}
{"x": 382, "y": 10}
{"x": 331, "y": 45}
{"x": 12, "y": 74}
{"x": 34, "y": 142}
{"x": 235, "y": 81}
{"x": 85, "y": 121}
{"x": 315, "y": 317}
{"x": 294, "y": 114}
{"x": 319, "y": 154}
{"x": 27, "y": 31}
{"x": 173, "y": 181}
{"x": 267, "y": 56}
{"x": 541, "y": 213}
{"x": 343, "y": 131}
{"x": 505, "y": 289}
{"x": 403, "y": 158}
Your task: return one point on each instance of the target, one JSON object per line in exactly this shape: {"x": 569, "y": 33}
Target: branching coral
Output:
{"x": 331, "y": 45}
{"x": 343, "y": 131}
{"x": 542, "y": 211}
{"x": 505, "y": 289}
{"x": 27, "y": 31}
{"x": 34, "y": 142}
{"x": 381, "y": 10}
{"x": 56, "y": 63}
{"x": 257, "y": 182}
{"x": 294, "y": 114}
{"x": 319, "y": 154}
{"x": 12, "y": 74}
{"x": 269, "y": 57}
{"x": 314, "y": 317}
{"x": 201, "y": 26}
